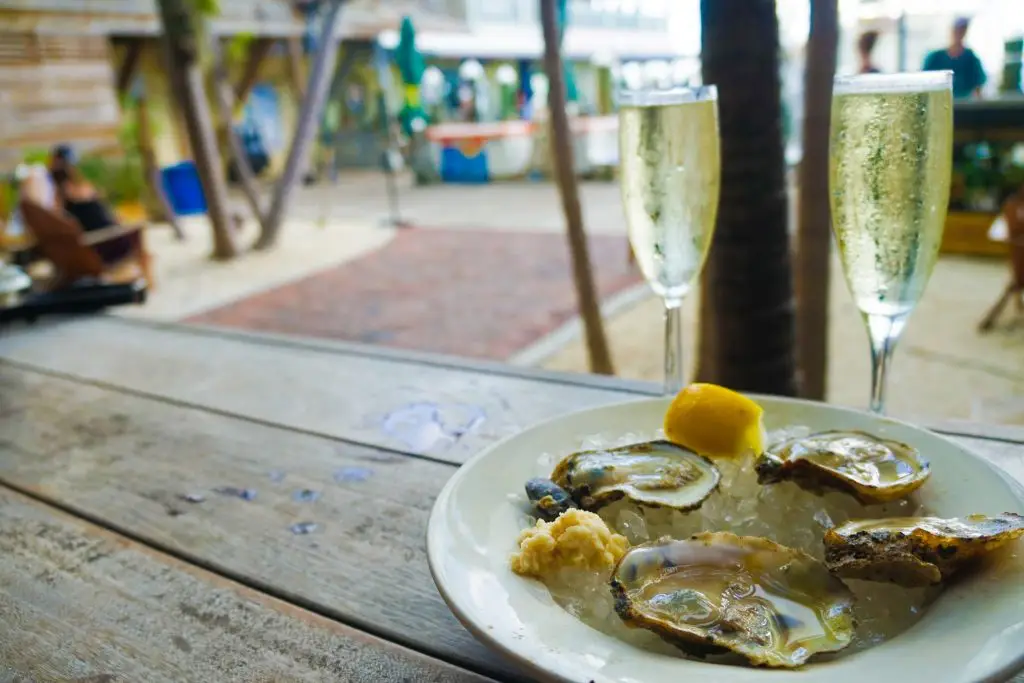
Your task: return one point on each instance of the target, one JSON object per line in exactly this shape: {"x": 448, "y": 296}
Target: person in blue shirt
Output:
{"x": 968, "y": 74}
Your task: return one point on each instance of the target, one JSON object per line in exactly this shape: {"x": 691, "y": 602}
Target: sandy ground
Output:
{"x": 942, "y": 368}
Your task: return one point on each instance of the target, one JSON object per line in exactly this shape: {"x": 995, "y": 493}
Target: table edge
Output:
{"x": 638, "y": 388}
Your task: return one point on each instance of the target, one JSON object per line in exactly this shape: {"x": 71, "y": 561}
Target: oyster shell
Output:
{"x": 654, "y": 473}
{"x": 915, "y": 551}
{"x": 548, "y": 498}
{"x": 873, "y": 470}
{"x": 719, "y": 592}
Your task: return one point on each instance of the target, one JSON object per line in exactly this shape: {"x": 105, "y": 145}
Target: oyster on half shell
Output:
{"x": 872, "y": 469}
{"x": 653, "y": 473}
{"x": 915, "y": 551}
{"x": 717, "y": 592}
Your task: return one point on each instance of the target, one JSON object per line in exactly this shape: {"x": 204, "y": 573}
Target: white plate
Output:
{"x": 974, "y": 632}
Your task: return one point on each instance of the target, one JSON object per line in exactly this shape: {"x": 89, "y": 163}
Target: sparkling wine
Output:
{"x": 669, "y": 165}
{"x": 890, "y": 167}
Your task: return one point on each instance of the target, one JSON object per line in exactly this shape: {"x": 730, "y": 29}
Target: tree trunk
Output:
{"x": 296, "y": 77}
{"x": 813, "y": 252}
{"x": 747, "y": 332}
{"x": 561, "y": 152}
{"x": 180, "y": 38}
{"x": 150, "y": 167}
{"x": 224, "y": 96}
{"x": 129, "y": 66}
{"x": 312, "y": 103}
{"x": 258, "y": 51}
{"x": 219, "y": 82}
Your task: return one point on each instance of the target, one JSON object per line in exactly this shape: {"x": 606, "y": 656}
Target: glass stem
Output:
{"x": 884, "y": 331}
{"x": 673, "y": 346}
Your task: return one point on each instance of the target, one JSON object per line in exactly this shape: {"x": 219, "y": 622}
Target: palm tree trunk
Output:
{"x": 747, "y": 336}
{"x": 182, "y": 44}
{"x": 813, "y": 250}
{"x": 312, "y": 103}
{"x": 561, "y": 152}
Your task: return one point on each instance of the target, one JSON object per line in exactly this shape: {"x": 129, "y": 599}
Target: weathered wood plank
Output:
{"x": 51, "y": 118}
{"x": 57, "y": 69}
{"x": 58, "y": 72}
{"x": 88, "y": 135}
{"x": 80, "y": 603}
{"x": 82, "y": 93}
{"x": 444, "y": 412}
{"x": 229, "y": 9}
{"x": 124, "y": 460}
{"x": 82, "y": 7}
{"x": 127, "y": 461}
{"x": 408, "y": 401}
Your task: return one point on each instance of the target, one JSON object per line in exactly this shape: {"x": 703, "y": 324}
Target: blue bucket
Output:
{"x": 457, "y": 167}
{"x": 183, "y": 189}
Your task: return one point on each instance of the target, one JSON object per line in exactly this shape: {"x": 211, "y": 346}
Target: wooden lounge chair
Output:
{"x": 61, "y": 240}
{"x": 1013, "y": 211}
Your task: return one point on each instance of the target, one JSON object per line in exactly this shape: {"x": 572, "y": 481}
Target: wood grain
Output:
{"x": 342, "y": 395}
{"x": 214, "y": 369}
{"x": 107, "y": 453}
{"x": 43, "y": 75}
{"x": 80, "y": 603}
{"x": 128, "y": 462}
{"x": 230, "y": 9}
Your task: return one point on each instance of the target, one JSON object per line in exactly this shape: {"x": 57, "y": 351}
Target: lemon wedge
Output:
{"x": 714, "y": 421}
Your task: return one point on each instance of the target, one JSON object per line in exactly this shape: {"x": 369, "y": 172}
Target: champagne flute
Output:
{"x": 890, "y": 164}
{"x": 669, "y": 175}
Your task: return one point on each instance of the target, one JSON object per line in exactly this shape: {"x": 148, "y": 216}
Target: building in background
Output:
{"x": 61, "y": 60}
{"x": 68, "y": 67}
{"x": 484, "y": 63}
{"x": 600, "y": 33}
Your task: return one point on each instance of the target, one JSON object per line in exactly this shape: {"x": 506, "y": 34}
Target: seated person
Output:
{"x": 80, "y": 199}
{"x": 32, "y": 182}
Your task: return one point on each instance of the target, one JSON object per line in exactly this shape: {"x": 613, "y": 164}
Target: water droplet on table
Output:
{"x": 346, "y": 474}
{"x": 244, "y": 494}
{"x": 424, "y": 425}
{"x": 305, "y": 495}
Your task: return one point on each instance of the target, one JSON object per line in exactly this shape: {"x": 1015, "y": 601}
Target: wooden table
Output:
{"x": 108, "y": 572}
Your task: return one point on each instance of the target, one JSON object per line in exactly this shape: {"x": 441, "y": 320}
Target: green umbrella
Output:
{"x": 411, "y": 66}
{"x": 571, "y": 93}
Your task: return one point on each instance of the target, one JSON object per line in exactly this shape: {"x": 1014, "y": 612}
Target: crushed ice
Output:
{"x": 782, "y": 512}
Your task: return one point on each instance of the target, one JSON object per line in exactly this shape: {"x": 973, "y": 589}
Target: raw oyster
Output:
{"x": 548, "y": 498}
{"x": 654, "y": 473}
{"x": 716, "y": 592}
{"x": 915, "y": 551}
{"x": 873, "y": 470}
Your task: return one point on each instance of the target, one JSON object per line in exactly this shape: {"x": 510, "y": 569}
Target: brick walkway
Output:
{"x": 484, "y": 294}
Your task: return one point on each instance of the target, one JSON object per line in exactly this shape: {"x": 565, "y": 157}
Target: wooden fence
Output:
{"x": 55, "y": 89}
